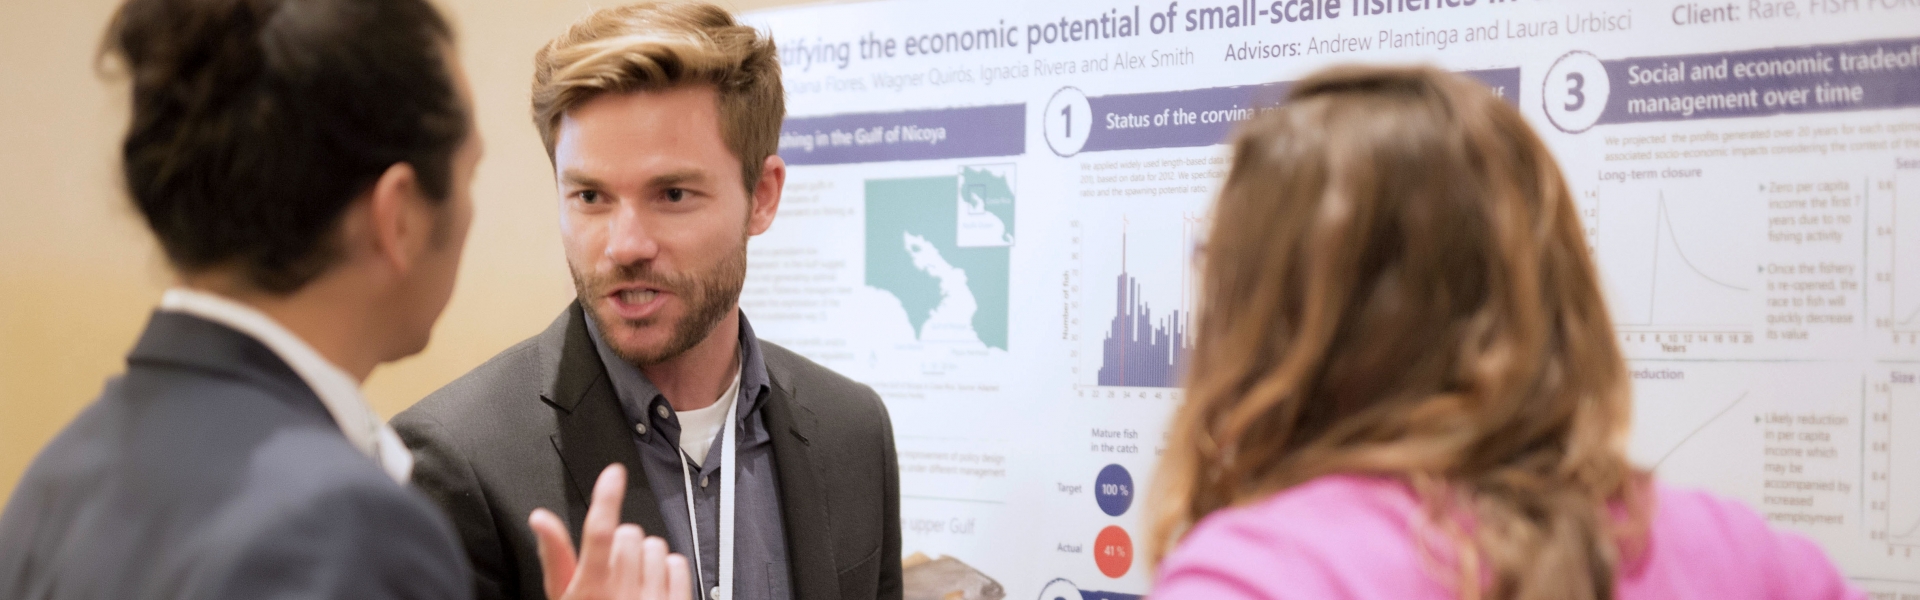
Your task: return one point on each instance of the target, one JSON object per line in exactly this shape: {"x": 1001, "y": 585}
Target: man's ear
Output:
{"x": 766, "y": 195}
{"x": 401, "y": 221}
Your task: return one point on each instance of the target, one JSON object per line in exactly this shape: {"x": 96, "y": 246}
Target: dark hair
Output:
{"x": 257, "y": 122}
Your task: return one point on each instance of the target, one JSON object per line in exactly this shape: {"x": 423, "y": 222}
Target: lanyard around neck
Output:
{"x": 729, "y": 475}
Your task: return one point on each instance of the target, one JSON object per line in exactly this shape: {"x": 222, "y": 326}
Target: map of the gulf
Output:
{"x": 939, "y": 245}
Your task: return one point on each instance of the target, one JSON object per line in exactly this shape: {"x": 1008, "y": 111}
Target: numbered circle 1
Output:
{"x": 1068, "y": 120}
{"x": 1576, "y": 91}
{"x": 1113, "y": 489}
{"x": 1113, "y": 551}
{"x": 1060, "y": 589}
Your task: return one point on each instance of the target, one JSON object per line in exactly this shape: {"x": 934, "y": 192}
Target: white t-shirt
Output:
{"x": 698, "y": 427}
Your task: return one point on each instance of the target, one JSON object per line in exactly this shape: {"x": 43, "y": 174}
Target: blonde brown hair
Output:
{"x": 652, "y": 46}
{"x": 1396, "y": 284}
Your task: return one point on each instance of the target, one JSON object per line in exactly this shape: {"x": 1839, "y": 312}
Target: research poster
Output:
{"x": 993, "y": 205}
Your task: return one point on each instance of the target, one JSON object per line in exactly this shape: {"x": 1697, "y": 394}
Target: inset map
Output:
{"x": 986, "y": 206}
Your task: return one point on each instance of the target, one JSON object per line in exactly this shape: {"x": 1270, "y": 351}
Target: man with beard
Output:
{"x": 774, "y": 474}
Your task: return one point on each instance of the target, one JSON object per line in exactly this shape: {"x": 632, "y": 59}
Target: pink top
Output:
{"x": 1351, "y": 537}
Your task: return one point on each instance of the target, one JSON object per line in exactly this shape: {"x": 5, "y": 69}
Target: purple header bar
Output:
{"x": 1207, "y": 116}
{"x": 911, "y": 135}
{"x": 1807, "y": 79}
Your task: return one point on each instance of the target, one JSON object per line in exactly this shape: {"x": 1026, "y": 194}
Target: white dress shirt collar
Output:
{"x": 336, "y": 389}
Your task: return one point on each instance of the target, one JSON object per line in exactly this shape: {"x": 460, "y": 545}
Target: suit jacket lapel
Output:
{"x": 802, "y": 496}
{"x": 592, "y": 430}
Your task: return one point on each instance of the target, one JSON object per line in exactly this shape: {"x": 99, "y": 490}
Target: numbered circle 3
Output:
{"x": 1113, "y": 490}
{"x": 1068, "y": 120}
{"x": 1576, "y": 91}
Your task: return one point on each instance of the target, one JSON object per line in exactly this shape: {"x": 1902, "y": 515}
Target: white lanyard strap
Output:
{"x": 693, "y": 524}
{"x": 730, "y": 469}
{"x": 729, "y": 454}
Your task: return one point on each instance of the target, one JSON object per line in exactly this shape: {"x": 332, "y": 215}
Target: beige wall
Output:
{"x": 78, "y": 273}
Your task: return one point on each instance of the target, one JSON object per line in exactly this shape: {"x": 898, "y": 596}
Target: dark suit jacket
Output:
{"x": 210, "y": 470}
{"x": 534, "y": 426}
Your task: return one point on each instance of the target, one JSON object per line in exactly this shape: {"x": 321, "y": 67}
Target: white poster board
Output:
{"x": 993, "y": 205}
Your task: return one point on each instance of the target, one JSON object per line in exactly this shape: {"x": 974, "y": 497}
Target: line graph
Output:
{"x": 1901, "y": 234}
{"x": 1679, "y": 272}
{"x": 1908, "y": 535}
{"x": 1893, "y": 460}
{"x": 1905, "y": 306}
{"x": 1696, "y": 431}
{"x": 1671, "y": 274}
{"x": 1665, "y": 219}
{"x": 1757, "y": 434}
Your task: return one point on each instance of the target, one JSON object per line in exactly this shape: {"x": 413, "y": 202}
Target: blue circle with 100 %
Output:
{"x": 1113, "y": 489}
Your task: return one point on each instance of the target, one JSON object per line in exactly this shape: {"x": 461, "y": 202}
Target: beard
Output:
{"x": 709, "y": 295}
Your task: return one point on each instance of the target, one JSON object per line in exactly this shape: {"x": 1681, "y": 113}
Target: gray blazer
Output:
{"x": 534, "y": 426}
{"x": 210, "y": 470}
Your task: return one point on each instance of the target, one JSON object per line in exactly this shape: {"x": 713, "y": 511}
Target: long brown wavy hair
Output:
{"x": 1397, "y": 284}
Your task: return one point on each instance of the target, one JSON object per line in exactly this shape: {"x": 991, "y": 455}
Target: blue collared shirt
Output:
{"x": 760, "y": 541}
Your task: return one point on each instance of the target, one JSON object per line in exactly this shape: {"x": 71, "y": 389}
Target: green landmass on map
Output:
{"x": 987, "y": 191}
{"x": 927, "y": 207}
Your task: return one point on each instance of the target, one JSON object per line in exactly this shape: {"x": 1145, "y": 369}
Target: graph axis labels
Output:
{"x": 1894, "y": 423}
{"x": 1681, "y": 279}
{"x": 1903, "y": 310}
{"x": 1109, "y": 392}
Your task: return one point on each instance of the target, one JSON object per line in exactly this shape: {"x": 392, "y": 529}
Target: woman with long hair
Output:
{"x": 1405, "y": 382}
